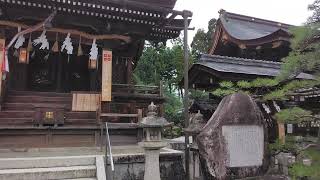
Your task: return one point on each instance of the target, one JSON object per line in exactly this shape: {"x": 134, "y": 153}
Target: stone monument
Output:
{"x": 233, "y": 144}
{"x": 152, "y": 142}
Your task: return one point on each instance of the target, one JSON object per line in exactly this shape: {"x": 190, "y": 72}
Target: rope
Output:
{"x": 40, "y": 27}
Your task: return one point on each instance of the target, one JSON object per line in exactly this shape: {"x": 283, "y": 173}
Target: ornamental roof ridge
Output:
{"x": 205, "y": 56}
{"x": 225, "y": 14}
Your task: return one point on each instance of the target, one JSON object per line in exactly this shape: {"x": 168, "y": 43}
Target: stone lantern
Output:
{"x": 152, "y": 141}
{"x": 195, "y": 127}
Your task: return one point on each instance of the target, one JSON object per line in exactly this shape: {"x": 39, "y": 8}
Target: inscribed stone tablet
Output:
{"x": 245, "y": 145}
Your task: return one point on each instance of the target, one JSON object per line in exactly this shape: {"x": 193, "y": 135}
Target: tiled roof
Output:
{"x": 248, "y": 28}
{"x": 244, "y": 66}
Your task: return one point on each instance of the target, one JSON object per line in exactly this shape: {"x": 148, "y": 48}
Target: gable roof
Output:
{"x": 247, "y": 30}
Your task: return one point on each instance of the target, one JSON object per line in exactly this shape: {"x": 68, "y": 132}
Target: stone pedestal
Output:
{"x": 152, "y": 170}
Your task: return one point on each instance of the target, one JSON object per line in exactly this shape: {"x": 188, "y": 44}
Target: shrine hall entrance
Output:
{"x": 51, "y": 72}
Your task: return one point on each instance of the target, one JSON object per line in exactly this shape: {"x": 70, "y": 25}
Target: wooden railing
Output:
{"x": 137, "y": 90}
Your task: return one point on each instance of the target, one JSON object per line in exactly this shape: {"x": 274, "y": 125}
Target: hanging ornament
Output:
{"x": 29, "y": 47}
{"x": 80, "y": 52}
{"x": 16, "y": 53}
{"x": 46, "y": 57}
{"x": 94, "y": 51}
{"x": 93, "y": 56}
{"x": 42, "y": 39}
{"x": 20, "y": 40}
{"x": 33, "y": 54}
{"x": 67, "y": 45}
{"x": 55, "y": 47}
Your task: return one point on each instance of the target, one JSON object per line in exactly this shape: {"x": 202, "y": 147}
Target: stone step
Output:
{"x": 46, "y": 162}
{"x": 71, "y": 172}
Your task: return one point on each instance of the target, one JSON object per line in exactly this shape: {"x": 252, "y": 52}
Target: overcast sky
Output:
{"x": 293, "y": 12}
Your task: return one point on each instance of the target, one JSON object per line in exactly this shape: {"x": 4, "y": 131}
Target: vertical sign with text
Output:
{"x": 106, "y": 75}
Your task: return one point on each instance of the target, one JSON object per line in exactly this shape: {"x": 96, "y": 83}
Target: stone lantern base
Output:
{"x": 152, "y": 166}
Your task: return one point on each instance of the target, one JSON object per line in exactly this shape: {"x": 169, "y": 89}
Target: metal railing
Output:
{"x": 109, "y": 150}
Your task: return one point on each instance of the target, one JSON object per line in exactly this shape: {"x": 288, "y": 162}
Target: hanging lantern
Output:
{"x": 23, "y": 56}
{"x": 92, "y": 64}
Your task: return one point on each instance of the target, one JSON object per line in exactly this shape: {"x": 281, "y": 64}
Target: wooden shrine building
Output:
{"x": 246, "y": 48}
{"x": 67, "y": 67}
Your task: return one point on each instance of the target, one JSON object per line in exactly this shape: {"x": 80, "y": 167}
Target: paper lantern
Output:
{"x": 23, "y": 56}
{"x": 92, "y": 64}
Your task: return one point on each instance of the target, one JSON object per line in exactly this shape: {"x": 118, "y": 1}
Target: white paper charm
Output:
{"x": 94, "y": 51}
{"x": 67, "y": 45}
{"x": 19, "y": 42}
{"x": 42, "y": 39}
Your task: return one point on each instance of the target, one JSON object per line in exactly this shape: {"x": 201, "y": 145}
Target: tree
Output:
{"x": 315, "y": 7}
{"x": 202, "y": 40}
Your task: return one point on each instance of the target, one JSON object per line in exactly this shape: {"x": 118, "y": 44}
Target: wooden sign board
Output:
{"x": 2, "y": 46}
{"x": 106, "y": 75}
{"x": 82, "y": 101}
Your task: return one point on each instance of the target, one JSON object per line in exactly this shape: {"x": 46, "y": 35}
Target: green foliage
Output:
{"x": 299, "y": 170}
{"x": 173, "y": 107}
{"x": 249, "y": 87}
{"x": 161, "y": 63}
{"x": 288, "y": 146}
{"x": 278, "y": 94}
{"x": 315, "y": 7}
{"x": 304, "y": 54}
{"x": 198, "y": 95}
{"x": 283, "y": 91}
{"x": 202, "y": 40}
{"x": 264, "y": 82}
{"x": 244, "y": 84}
{"x": 293, "y": 115}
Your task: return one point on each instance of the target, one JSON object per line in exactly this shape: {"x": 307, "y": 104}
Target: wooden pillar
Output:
{"x": 129, "y": 70}
{"x": 93, "y": 78}
{"x": 59, "y": 73}
{"x": 282, "y": 133}
{"x": 2, "y": 45}
{"x": 161, "y": 95}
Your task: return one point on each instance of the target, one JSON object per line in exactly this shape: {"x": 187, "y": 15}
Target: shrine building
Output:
{"x": 67, "y": 68}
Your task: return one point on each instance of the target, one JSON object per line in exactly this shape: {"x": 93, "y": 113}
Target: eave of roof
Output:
{"x": 234, "y": 65}
{"x": 147, "y": 15}
{"x": 249, "y": 31}
{"x": 249, "y": 28}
